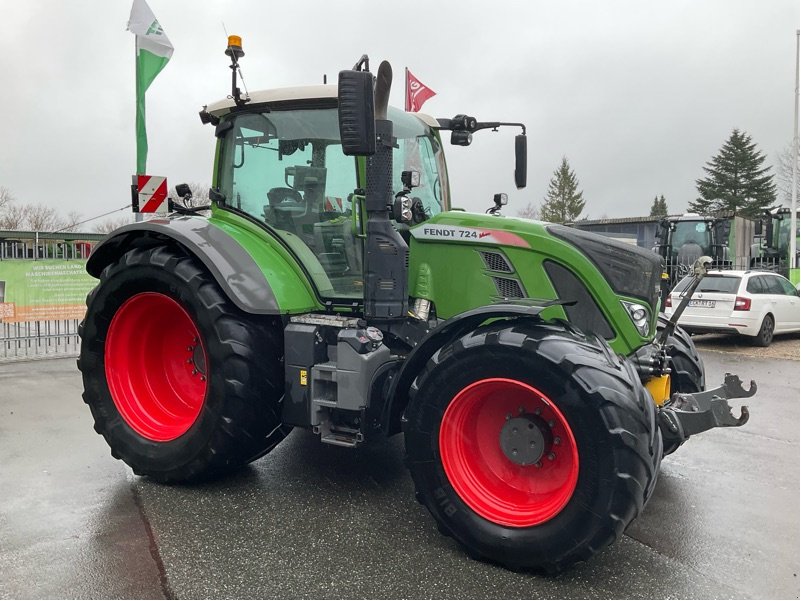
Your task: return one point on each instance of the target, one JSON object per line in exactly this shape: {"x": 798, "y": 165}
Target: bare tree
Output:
{"x": 13, "y": 217}
{"x": 112, "y": 223}
{"x": 200, "y": 194}
{"x": 784, "y": 176}
{"x": 71, "y": 223}
{"x": 6, "y": 198}
{"x": 528, "y": 212}
{"x": 41, "y": 218}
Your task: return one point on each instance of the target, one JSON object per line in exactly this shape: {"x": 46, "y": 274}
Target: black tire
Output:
{"x": 610, "y": 415}
{"x": 235, "y": 414}
{"x": 765, "y": 335}
{"x": 687, "y": 369}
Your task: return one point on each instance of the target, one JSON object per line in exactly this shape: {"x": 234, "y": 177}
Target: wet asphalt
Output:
{"x": 314, "y": 521}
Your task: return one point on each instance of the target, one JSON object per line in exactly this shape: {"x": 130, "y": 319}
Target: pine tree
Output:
{"x": 563, "y": 202}
{"x": 736, "y": 180}
{"x": 659, "y": 208}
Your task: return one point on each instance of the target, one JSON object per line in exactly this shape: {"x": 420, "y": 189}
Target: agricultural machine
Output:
{"x": 334, "y": 288}
{"x": 772, "y": 250}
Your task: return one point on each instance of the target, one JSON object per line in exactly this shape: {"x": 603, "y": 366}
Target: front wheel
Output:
{"x": 687, "y": 369}
{"x": 181, "y": 383}
{"x": 531, "y": 445}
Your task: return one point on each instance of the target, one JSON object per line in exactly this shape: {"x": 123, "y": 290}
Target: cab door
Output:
{"x": 791, "y": 301}
{"x": 785, "y": 306}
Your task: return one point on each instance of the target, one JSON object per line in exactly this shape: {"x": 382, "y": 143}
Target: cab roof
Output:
{"x": 296, "y": 93}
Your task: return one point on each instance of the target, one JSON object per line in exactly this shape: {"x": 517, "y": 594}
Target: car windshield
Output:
{"x": 286, "y": 169}
{"x": 726, "y": 284}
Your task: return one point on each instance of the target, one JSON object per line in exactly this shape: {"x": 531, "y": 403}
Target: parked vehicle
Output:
{"x": 757, "y": 304}
{"x": 771, "y": 250}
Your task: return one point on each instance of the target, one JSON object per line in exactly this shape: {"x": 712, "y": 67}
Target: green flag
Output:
{"x": 153, "y": 51}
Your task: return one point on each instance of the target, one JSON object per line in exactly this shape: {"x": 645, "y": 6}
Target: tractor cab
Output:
{"x": 281, "y": 164}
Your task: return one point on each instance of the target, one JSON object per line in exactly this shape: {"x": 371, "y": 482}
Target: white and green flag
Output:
{"x": 153, "y": 51}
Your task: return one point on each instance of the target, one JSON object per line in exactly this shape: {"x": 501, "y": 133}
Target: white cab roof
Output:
{"x": 222, "y": 107}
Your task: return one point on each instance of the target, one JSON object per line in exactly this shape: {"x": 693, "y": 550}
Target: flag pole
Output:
{"x": 406, "y": 88}
{"x": 137, "y": 215}
{"x": 794, "y": 207}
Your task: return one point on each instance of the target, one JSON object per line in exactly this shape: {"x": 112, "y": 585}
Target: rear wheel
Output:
{"x": 531, "y": 445}
{"x": 765, "y": 335}
{"x": 180, "y": 382}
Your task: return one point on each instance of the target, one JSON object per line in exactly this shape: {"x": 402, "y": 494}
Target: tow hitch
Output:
{"x": 687, "y": 414}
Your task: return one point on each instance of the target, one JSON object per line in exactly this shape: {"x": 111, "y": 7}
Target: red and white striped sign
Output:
{"x": 152, "y": 190}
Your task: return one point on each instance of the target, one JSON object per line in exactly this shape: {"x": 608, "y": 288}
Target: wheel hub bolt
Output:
{"x": 551, "y": 456}
{"x": 557, "y": 441}
{"x": 524, "y": 439}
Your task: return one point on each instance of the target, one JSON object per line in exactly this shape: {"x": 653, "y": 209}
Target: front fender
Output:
{"x": 449, "y": 330}
{"x": 234, "y": 269}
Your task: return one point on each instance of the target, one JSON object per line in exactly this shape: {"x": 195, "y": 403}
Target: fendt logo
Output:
{"x": 154, "y": 29}
{"x": 468, "y": 234}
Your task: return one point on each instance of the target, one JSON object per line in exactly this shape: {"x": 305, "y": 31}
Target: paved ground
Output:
{"x": 313, "y": 521}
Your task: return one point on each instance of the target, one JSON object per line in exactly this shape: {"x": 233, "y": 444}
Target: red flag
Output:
{"x": 416, "y": 93}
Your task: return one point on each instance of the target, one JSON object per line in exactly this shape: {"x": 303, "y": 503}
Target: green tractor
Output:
{"x": 334, "y": 288}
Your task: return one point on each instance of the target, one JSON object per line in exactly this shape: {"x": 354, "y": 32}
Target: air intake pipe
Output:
{"x": 386, "y": 295}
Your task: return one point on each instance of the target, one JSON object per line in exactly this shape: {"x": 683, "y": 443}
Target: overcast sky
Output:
{"x": 637, "y": 94}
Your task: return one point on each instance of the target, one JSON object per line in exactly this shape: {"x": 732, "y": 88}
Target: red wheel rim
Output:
{"x": 155, "y": 366}
{"x": 484, "y": 477}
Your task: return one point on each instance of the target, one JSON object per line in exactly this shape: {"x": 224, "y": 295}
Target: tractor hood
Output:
{"x": 492, "y": 258}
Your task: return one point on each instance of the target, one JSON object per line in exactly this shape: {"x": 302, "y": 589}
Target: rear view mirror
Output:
{"x": 356, "y": 112}
{"x": 520, "y": 161}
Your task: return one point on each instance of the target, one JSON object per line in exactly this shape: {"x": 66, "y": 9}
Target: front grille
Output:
{"x": 495, "y": 261}
{"x": 509, "y": 288}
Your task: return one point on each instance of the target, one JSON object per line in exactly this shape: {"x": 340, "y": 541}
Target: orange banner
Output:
{"x": 40, "y": 312}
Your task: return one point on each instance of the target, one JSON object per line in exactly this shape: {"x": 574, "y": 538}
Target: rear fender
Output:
{"x": 231, "y": 266}
{"x": 446, "y": 332}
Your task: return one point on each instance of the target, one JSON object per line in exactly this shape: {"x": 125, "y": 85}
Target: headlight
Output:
{"x": 639, "y": 315}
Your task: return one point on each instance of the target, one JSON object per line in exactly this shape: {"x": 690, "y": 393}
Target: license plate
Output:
{"x": 710, "y": 304}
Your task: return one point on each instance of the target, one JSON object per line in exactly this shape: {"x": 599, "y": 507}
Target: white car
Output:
{"x": 752, "y": 303}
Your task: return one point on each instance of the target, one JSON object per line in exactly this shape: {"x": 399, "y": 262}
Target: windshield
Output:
{"x": 711, "y": 283}
{"x": 286, "y": 169}
{"x": 691, "y": 238}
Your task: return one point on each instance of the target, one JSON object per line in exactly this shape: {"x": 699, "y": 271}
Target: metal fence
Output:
{"x": 677, "y": 269}
{"x": 39, "y": 339}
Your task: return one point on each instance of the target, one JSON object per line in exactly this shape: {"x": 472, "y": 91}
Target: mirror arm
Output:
{"x": 447, "y": 124}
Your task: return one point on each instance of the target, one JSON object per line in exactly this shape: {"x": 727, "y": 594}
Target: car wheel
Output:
{"x": 765, "y": 335}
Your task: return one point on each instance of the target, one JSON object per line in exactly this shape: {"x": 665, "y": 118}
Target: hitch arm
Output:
{"x": 687, "y": 414}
